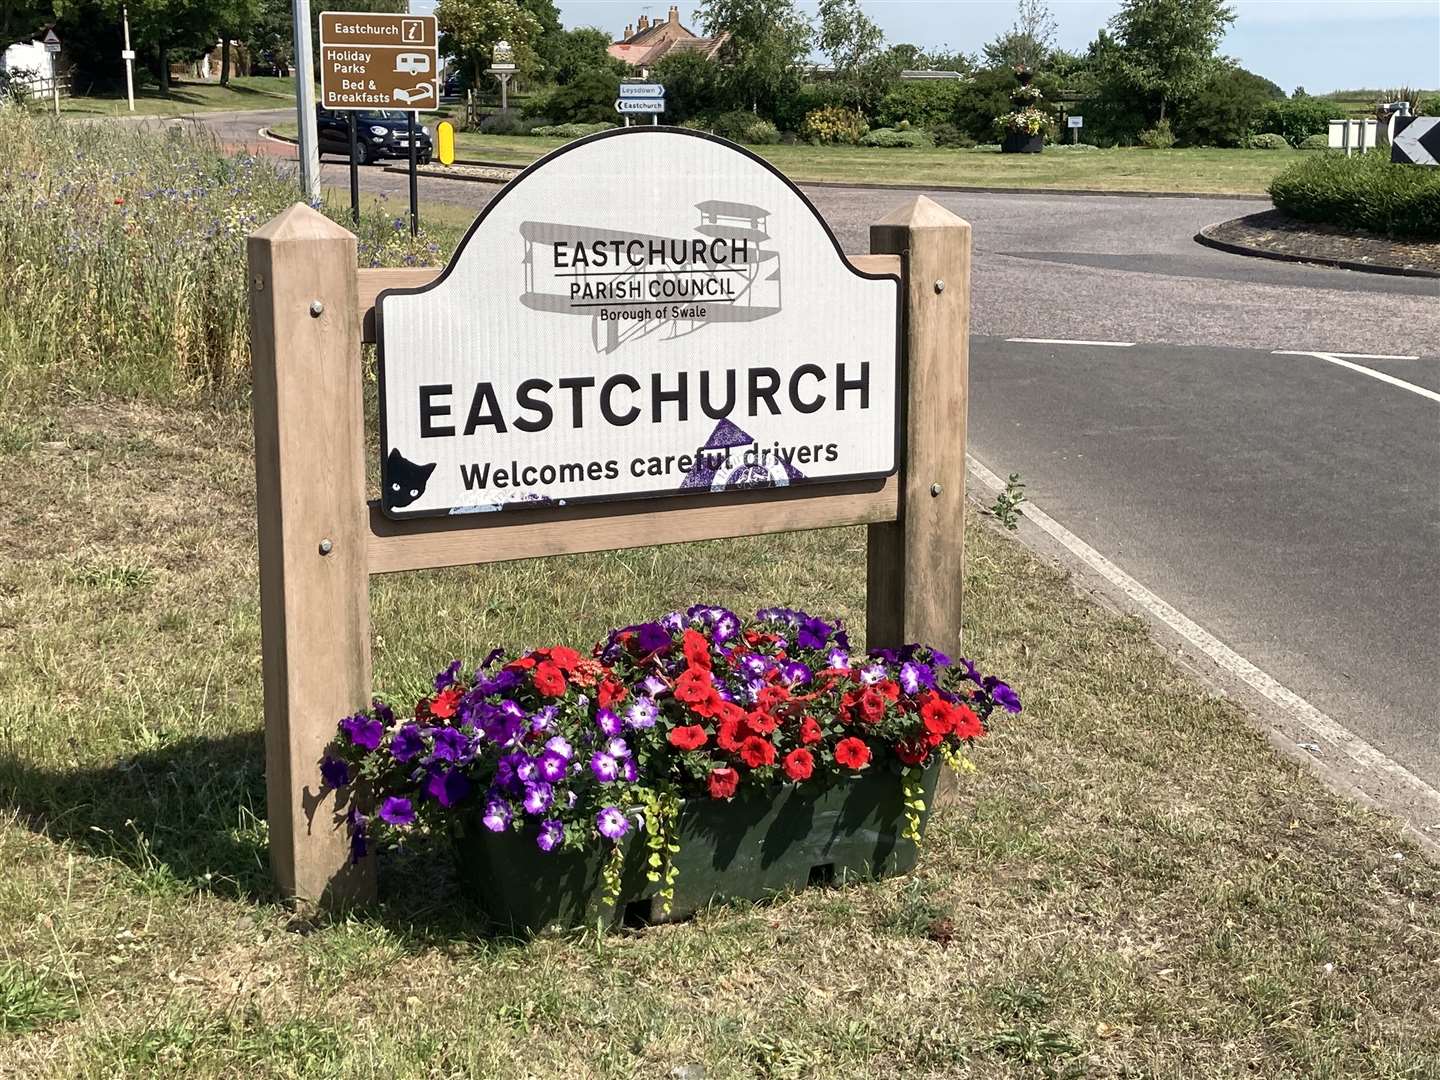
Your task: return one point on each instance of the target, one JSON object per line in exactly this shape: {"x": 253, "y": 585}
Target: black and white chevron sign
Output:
{"x": 1416, "y": 141}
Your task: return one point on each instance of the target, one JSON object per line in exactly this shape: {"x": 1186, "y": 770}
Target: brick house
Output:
{"x": 646, "y": 42}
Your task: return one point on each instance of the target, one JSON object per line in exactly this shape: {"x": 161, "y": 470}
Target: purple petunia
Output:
{"x": 617, "y": 748}
{"x": 450, "y": 745}
{"x": 491, "y": 657}
{"x": 560, "y": 746}
{"x": 359, "y": 824}
{"x": 362, "y": 730}
{"x": 629, "y": 771}
{"x": 497, "y": 814}
{"x": 642, "y": 713}
{"x": 538, "y": 797}
{"x": 397, "y": 811}
{"x": 447, "y": 677}
{"x": 334, "y": 772}
{"x": 604, "y": 767}
{"x": 608, "y": 722}
{"x": 543, "y": 719}
{"x": 872, "y": 674}
{"x": 754, "y": 666}
{"x": 650, "y": 637}
{"x": 725, "y": 627}
{"x": 612, "y": 823}
{"x": 814, "y": 633}
{"x": 407, "y": 744}
{"x": 795, "y": 673}
{"x": 1003, "y": 696}
{"x": 552, "y": 834}
{"x": 915, "y": 677}
{"x": 447, "y": 788}
{"x": 839, "y": 659}
{"x": 551, "y": 766}
{"x": 653, "y": 685}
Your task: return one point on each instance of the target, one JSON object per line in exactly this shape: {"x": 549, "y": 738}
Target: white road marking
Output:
{"x": 1343, "y": 360}
{"x": 1356, "y": 748}
{"x": 1069, "y": 341}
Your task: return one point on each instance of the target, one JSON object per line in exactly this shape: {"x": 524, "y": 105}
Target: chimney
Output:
{"x": 674, "y": 16}
{"x": 629, "y": 32}
{"x": 644, "y": 23}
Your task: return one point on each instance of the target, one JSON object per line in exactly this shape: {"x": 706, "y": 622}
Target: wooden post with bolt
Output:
{"x": 313, "y": 530}
{"x": 915, "y": 563}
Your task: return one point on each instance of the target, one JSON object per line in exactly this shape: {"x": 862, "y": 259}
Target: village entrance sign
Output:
{"x": 649, "y": 336}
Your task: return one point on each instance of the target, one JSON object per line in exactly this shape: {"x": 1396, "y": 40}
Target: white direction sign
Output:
{"x": 646, "y": 311}
{"x": 1075, "y": 121}
{"x": 641, "y": 90}
{"x": 640, "y": 105}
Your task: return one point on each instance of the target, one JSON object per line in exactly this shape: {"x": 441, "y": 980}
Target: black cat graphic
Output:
{"x": 403, "y": 481}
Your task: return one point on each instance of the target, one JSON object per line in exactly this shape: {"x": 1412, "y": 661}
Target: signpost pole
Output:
{"x": 129, "y": 56}
{"x": 915, "y": 563}
{"x": 310, "y": 506}
{"x": 305, "y": 100}
{"x": 354, "y": 169}
{"x": 414, "y": 178}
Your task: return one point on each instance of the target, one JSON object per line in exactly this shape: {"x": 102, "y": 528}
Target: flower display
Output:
{"x": 576, "y": 751}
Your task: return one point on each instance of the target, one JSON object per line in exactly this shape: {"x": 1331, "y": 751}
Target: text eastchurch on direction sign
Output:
{"x": 647, "y": 311}
{"x": 639, "y": 105}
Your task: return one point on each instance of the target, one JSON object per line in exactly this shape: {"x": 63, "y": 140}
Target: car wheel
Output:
{"x": 424, "y": 159}
{"x": 362, "y": 154}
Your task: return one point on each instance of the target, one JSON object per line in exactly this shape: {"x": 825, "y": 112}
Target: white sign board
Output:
{"x": 52, "y": 42}
{"x": 640, "y": 105}
{"x": 642, "y": 90}
{"x": 646, "y": 311}
{"x": 1075, "y": 122}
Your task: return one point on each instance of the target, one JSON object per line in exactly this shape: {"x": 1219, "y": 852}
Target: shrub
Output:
{"x": 1074, "y": 146}
{"x": 948, "y": 135}
{"x": 1315, "y": 142}
{"x": 988, "y": 147}
{"x": 589, "y": 99}
{"x": 743, "y": 126}
{"x": 1362, "y": 192}
{"x": 891, "y": 138}
{"x": 1159, "y": 137}
{"x": 833, "y": 124}
{"x": 509, "y": 122}
{"x": 569, "y": 131}
{"x": 924, "y": 103}
{"x": 1267, "y": 140}
{"x": 691, "y": 89}
{"x": 1225, "y": 109}
{"x": 1296, "y": 118}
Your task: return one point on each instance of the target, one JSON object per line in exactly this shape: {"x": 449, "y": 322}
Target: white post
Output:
{"x": 305, "y": 100}
{"x": 129, "y": 55}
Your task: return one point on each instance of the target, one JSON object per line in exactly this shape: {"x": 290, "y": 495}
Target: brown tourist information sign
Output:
{"x": 378, "y": 61}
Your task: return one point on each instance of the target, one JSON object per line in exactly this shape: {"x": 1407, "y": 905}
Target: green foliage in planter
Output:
{"x": 1365, "y": 191}
{"x": 1296, "y": 118}
{"x": 1159, "y": 137}
{"x": 890, "y": 138}
{"x": 834, "y": 124}
{"x": 1267, "y": 140}
{"x": 569, "y": 131}
{"x": 950, "y": 136}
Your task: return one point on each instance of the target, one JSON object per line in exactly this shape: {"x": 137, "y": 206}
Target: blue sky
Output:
{"x": 1319, "y": 44}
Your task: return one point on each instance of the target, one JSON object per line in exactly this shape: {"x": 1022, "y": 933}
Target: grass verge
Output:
{"x": 243, "y": 93}
{"x": 1132, "y": 884}
{"x": 1207, "y": 171}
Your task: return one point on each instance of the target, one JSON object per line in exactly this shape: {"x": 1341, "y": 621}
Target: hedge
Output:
{"x": 1365, "y": 191}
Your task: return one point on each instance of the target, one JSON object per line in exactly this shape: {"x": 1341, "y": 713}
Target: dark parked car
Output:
{"x": 380, "y": 133}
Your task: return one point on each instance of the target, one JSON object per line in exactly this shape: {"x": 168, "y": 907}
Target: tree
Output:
{"x": 691, "y": 85}
{"x": 855, "y": 46}
{"x": 1167, "y": 47}
{"x": 577, "y": 51}
{"x": 1225, "y": 108}
{"x": 21, "y": 17}
{"x": 1026, "y": 44}
{"x": 469, "y": 30}
{"x": 547, "y": 41}
{"x": 760, "y": 59}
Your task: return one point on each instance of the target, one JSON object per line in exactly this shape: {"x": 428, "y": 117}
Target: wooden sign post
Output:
{"x": 320, "y": 541}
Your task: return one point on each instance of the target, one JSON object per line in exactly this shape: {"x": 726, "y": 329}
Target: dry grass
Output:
{"x": 1132, "y": 885}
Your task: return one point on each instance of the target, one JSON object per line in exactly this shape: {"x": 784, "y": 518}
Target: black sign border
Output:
{"x": 457, "y": 513}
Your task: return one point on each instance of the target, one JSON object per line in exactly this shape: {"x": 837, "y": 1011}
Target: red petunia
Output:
{"x": 938, "y": 715}
{"x": 755, "y": 752}
{"x": 912, "y": 753}
{"x": 709, "y": 706}
{"x": 612, "y": 692}
{"x": 852, "y": 753}
{"x": 564, "y": 658}
{"x": 872, "y": 706}
{"x": 799, "y": 764}
{"x": 549, "y": 679}
{"x": 722, "y": 783}
{"x": 761, "y": 723}
{"x": 693, "y": 685}
{"x": 730, "y": 734}
{"x": 728, "y": 710}
{"x": 696, "y": 649}
{"x": 771, "y": 696}
{"x": 524, "y": 663}
{"x": 810, "y": 731}
{"x": 688, "y": 737}
{"x": 889, "y": 689}
{"x": 967, "y": 724}
{"x": 442, "y": 705}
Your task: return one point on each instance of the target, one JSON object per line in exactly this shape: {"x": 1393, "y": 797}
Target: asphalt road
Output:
{"x": 1289, "y": 505}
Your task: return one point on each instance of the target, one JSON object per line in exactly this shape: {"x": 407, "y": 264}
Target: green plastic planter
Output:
{"x": 757, "y": 844}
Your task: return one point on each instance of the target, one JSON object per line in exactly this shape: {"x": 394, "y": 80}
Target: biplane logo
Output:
{"x": 631, "y": 285}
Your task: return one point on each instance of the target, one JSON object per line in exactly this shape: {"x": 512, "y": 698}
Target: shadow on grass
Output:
{"x": 189, "y": 816}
